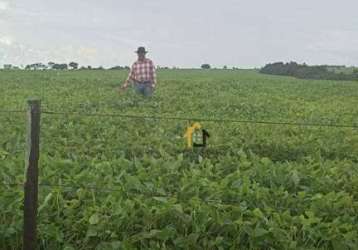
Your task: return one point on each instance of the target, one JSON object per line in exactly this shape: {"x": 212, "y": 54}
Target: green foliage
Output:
{"x": 310, "y": 72}
{"x": 73, "y": 65}
{"x": 205, "y": 66}
{"x": 254, "y": 187}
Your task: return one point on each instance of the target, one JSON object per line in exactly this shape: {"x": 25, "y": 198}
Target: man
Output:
{"x": 142, "y": 74}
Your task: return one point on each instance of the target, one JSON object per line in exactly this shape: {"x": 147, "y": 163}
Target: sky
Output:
{"x": 185, "y": 33}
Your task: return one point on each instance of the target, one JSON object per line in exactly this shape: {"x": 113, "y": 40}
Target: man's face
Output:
{"x": 141, "y": 56}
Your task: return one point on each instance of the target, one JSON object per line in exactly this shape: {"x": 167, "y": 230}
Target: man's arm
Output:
{"x": 154, "y": 75}
{"x": 130, "y": 77}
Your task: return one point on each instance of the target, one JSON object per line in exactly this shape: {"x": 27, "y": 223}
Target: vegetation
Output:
{"x": 205, "y": 66}
{"x": 73, "y": 65}
{"x": 120, "y": 68}
{"x": 304, "y": 71}
{"x": 256, "y": 186}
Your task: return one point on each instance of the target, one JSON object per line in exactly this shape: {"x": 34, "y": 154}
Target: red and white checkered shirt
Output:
{"x": 143, "y": 71}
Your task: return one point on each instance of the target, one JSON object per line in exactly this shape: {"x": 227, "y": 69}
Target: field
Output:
{"x": 110, "y": 182}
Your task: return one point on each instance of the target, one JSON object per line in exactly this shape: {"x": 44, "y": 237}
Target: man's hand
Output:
{"x": 123, "y": 87}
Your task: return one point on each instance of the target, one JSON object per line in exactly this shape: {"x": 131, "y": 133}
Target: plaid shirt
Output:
{"x": 143, "y": 71}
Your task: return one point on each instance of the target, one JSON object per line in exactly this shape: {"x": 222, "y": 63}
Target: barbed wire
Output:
{"x": 217, "y": 120}
{"x": 12, "y": 111}
{"x": 199, "y": 119}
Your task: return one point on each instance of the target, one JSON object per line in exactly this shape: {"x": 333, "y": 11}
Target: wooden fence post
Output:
{"x": 31, "y": 175}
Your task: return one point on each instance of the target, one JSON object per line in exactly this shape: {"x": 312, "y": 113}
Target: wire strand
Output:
{"x": 12, "y": 111}
{"x": 201, "y": 119}
{"x": 217, "y": 120}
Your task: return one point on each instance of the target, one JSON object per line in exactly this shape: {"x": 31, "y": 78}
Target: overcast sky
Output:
{"x": 183, "y": 33}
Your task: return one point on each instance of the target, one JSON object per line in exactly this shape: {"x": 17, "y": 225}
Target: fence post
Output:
{"x": 31, "y": 175}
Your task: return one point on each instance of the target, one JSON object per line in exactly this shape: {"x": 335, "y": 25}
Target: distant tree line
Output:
{"x": 119, "y": 68}
{"x": 10, "y": 66}
{"x": 76, "y": 66}
{"x": 70, "y": 66}
{"x": 59, "y": 66}
{"x": 208, "y": 66}
{"x": 304, "y": 71}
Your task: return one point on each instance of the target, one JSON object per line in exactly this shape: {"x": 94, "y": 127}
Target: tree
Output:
{"x": 225, "y": 67}
{"x": 7, "y": 66}
{"x": 73, "y": 65}
{"x": 36, "y": 66}
{"x": 116, "y": 68}
{"x": 50, "y": 65}
{"x": 62, "y": 66}
{"x": 205, "y": 66}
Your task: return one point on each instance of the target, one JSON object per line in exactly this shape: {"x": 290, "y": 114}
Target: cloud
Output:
{"x": 107, "y": 33}
{"x": 4, "y": 5}
{"x": 6, "y": 40}
{"x": 87, "y": 52}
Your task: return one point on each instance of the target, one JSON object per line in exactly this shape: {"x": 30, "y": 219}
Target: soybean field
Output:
{"x": 280, "y": 170}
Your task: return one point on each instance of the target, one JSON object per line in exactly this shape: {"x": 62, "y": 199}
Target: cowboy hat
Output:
{"x": 141, "y": 50}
